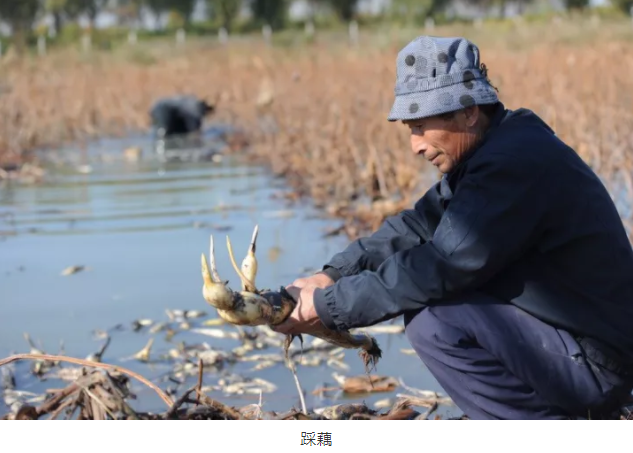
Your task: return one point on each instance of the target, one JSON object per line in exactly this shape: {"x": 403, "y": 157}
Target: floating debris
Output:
{"x": 181, "y": 315}
{"x": 264, "y": 357}
{"x": 7, "y": 379}
{"x": 384, "y": 403}
{"x": 337, "y": 363}
{"x": 99, "y": 391}
{"x": 368, "y": 384}
{"x": 241, "y": 385}
{"x": 66, "y": 374}
{"x": 16, "y": 399}
{"x": 143, "y": 354}
{"x": 99, "y": 334}
{"x": 313, "y": 360}
{"x": 286, "y": 214}
{"x": 418, "y": 392}
{"x": 96, "y": 357}
{"x": 361, "y": 384}
{"x": 39, "y": 367}
{"x": 214, "y": 322}
{"x": 138, "y": 324}
{"x": 429, "y": 401}
{"x": 211, "y": 357}
{"x": 193, "y": 314}
{"x": 345, "y": 411}
{"x": 188, "y": 360}
{"x": 221, "y": 228}
{"x": 216, "y": 333}
{"x": 72, "y": 270}
{"x": 34, "y": 350}
{"x": 175, "y": 315}
{"x": 264, "y": 364}
{"x": 159, "y": 327}
{"x": 132, "y": 154}
{"x": 26, "y": 173}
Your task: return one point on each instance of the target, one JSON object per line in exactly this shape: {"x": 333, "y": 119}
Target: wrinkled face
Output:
{"x": 443, "y": 142}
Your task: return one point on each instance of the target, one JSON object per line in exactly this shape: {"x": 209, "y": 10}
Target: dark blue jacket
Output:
{"x": 521, "y": 218}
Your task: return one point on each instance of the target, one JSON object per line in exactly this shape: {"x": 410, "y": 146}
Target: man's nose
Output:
{"x": 417, "y": 145}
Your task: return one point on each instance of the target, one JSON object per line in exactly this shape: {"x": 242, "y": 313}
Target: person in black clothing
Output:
{"x": 514, "y": 273}
{"x": 179, "y": 115}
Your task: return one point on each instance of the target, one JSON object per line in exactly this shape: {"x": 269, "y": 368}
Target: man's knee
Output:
{"x": 455, "y": 324}
{"x": 426, "y": 330}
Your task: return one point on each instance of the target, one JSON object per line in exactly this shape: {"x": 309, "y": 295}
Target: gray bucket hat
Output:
{"x": 436, "y": 75}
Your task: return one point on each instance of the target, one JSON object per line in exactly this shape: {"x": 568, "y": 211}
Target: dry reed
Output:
{"x": 317, "y": 114}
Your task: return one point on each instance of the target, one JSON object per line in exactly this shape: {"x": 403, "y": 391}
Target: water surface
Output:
{"x": 139, "y": 229}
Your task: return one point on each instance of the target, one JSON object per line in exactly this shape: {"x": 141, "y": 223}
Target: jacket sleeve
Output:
{"x": 400, "y": 232}
{"x": 491, "y": 220}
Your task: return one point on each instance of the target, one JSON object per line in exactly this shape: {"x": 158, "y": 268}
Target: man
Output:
{"x": 514, "y": 273}
{"x": 179, "y": 115}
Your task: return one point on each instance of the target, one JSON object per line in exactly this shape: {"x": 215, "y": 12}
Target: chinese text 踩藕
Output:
{"x": 316, "y": 439}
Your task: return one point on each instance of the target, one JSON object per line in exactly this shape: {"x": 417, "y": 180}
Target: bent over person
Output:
{"x": 179, "y": 115}
{"x": 514, "y": 272}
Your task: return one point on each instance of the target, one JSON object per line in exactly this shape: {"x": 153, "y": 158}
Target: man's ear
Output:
{"x": 471, "y": 114}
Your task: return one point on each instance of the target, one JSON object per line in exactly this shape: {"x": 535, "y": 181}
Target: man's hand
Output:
{"x": 304, "y": 318}
{"x": 316, "y": 280}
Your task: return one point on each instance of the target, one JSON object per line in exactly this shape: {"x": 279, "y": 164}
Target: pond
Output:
{"x": 138, "y": 229}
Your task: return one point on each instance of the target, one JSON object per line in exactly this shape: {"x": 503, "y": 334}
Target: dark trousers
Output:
{"x": 498, "y": 362}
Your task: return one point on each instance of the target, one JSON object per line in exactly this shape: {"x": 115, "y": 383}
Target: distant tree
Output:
{"x": 624, "y": 5}
{"x": 416, "y": 10}
{"x": 90, "y": 8}
{"x": 157, "y": 7}
{"x": 313, "y": 6}
{"x": 20, "y": 15}
{"x": 225, "y": 10}
{"x": 56, "y": 9}
{"x": 344, "y": 9}
{"x": 502, "y": 7}
{"x": 128, "y": 11}
{"x": 437, "y": 7}
{"x": 576, "y": 4}
{"x": 501, "y": 4}
{"x": 271, "y": 12}
{"x": 184, "y": 8}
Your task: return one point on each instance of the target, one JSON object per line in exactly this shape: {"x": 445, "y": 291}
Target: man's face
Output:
{"x": 443, "y": 142}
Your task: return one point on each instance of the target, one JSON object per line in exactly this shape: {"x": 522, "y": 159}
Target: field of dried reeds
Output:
{"x": 316, "y": 113}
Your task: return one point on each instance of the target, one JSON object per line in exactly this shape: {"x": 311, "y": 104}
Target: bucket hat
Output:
{"x": 436, "y": 75}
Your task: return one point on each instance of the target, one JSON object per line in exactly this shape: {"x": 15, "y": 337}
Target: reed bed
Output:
{"x": 316, "y": 113}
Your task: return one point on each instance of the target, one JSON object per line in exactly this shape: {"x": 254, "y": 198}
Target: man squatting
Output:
{"x": 514, "y": 272}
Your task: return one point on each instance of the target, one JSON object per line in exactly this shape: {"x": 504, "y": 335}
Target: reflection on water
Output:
{"x": 139, "y": 229}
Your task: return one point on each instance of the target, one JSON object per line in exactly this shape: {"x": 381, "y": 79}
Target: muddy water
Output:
{"x": 139, "y": 229}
